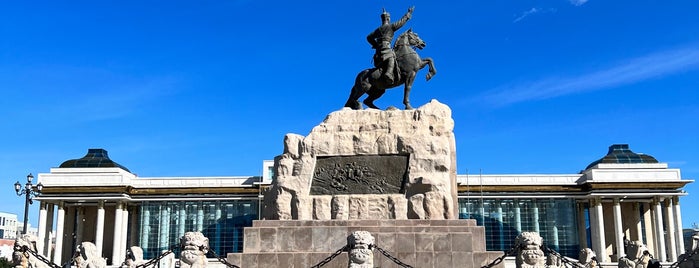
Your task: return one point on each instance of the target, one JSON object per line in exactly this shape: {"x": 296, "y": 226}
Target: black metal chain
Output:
{"x": 157, "y": 260}
{"x": 498, "y": 260}
{"x": 394, "y": 259}
{"x": 563, "y": 259}
{"x": 331, "y": 257}
{"x": 687, "y": 256}
{"x": 222, "y": 260}
{"x": 25, "y": 249}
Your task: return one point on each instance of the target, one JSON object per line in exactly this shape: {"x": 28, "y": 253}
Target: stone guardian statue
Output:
{"x": 361, "y": 251}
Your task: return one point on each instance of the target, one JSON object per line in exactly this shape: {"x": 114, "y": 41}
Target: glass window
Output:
{"x": 504, "y": 219}
{"x": 162, "y": 223}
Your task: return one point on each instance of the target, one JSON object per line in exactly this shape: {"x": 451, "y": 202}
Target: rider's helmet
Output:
{"x": 385, "y": 15}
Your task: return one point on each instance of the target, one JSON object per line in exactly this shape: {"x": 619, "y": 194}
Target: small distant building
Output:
{"x": 8, "y": 226}
{"x": 622, "y": 195}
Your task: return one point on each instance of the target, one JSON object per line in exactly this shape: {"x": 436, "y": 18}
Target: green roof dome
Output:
{"x": 621, "y": 154}
{"x": 94, "y": 158}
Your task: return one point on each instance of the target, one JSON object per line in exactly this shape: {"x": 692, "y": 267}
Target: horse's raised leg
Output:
{"x": 353, "y": 100}
{"x": 432, "y": 71}
{"x": 406, "y": 90}
{"x": 372, "y": 96}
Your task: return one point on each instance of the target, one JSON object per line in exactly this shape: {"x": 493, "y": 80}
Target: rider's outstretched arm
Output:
{"x": 396, "y": 25}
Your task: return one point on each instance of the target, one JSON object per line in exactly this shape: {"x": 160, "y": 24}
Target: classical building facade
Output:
{"x": 623, "y": 196}
{"x": 8, "y": 225}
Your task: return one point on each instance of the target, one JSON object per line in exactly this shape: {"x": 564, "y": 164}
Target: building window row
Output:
{"x": 504, "y": 219}
{"x": 162, "y": 223}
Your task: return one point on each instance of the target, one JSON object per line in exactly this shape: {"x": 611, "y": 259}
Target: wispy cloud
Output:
{"x": 526, "y": 14}
{"x": 532, "y": 11}
{"x": 577, "y": 2}
{"x": 631, "y": 71}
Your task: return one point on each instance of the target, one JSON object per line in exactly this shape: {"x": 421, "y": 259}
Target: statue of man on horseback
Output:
{"x": 381, "y": 38}
{"x": 393, "y": 66}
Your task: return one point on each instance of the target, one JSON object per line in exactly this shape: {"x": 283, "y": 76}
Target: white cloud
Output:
{"x": 527, "y": 13}
{"x": 631, "y": 71}
{"x": 578, "y": 2}
{"x": 533, "y": 11}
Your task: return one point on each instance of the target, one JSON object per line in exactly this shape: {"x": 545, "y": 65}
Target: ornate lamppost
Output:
{"x": 29, "y": 193}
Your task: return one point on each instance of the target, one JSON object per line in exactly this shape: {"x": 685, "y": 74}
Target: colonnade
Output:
{"x": 646, "y": 221}
{"x": 74, "y": 228}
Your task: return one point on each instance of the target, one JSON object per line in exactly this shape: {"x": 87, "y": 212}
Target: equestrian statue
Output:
{"x": 392, "y": 66}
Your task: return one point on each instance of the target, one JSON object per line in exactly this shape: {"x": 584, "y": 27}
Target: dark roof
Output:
{"x": 621, "y": 154}
{"x": 93, "y": 159}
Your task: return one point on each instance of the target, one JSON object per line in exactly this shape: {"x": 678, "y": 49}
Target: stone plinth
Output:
{"x": 425, "y": 183}
{"x": 420, "y": 243}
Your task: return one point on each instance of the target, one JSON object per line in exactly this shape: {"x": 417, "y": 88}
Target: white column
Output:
{"x": 116, "y": 245}
{"x": 535, "y": 216}
{"x": 597, "y": 228}
{"x": 49, "y": 230}
{"x": 124, "y": 231}
{"x": 638, "y": 230}
{"x": 200, "y": 217}
{"x": 670, "y": 219}
{"x": 42, "y": 227}
{"x": 501, "y": 228}
{"x": 659, "y": 232}
{"x": 618, "y": 229}
{"x": 99, "y": 229}
{"x": 678, "y": 223}
{"x": 60, "y": 218}
{"x": 518, "y": 217}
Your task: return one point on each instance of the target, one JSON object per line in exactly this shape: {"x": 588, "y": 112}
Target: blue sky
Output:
{"x": 210, "y": 88}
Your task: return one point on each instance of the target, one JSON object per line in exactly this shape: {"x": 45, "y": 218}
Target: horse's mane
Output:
{"x": 401, "y": 36}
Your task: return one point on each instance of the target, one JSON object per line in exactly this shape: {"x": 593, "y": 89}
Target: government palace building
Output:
{"x": 622, "y": 196}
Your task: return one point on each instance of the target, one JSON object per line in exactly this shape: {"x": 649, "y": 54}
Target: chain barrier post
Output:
{"x": 394, "y": 259}
{"x": 222, "y": 260}
{"x": 25, "y": 249}
{"x": 331, "y": 257}
{"x": 160, "y": 257}
{"x": 563, "y": 259}
{"x": 498, "y": 260}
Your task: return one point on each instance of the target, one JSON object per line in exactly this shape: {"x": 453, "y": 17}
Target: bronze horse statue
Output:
{"x": 371, "y": 82}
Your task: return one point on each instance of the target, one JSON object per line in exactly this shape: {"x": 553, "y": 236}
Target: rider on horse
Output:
{"x": 380, "y": 39}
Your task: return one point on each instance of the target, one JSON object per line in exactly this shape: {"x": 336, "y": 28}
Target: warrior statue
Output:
{"x": 381, "y": 38}
{"x": 392, "y": 66}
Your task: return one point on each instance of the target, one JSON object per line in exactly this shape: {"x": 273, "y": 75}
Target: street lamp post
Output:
{"x": 29, "y": 193}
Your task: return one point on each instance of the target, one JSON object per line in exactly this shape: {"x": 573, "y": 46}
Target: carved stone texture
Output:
{"x": 86, "y": 256}
{"x": 134, "y": 257}
{"x": 588, "y": 258}
{"x": 361, "y": 254}
{"x": 424, "y": 136}
{"x": 25, "y": 260}
{"x": 529, "y": 253}
{"x": 363, "y": 174}
{"x": 194, "y": 248}
{"x": 636, "y": 257}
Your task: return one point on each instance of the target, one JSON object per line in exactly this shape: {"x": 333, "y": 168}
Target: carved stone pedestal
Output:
{"x": 420, "y": 243}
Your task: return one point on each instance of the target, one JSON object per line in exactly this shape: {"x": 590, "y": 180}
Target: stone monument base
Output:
{"x": 419, "y": 243}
